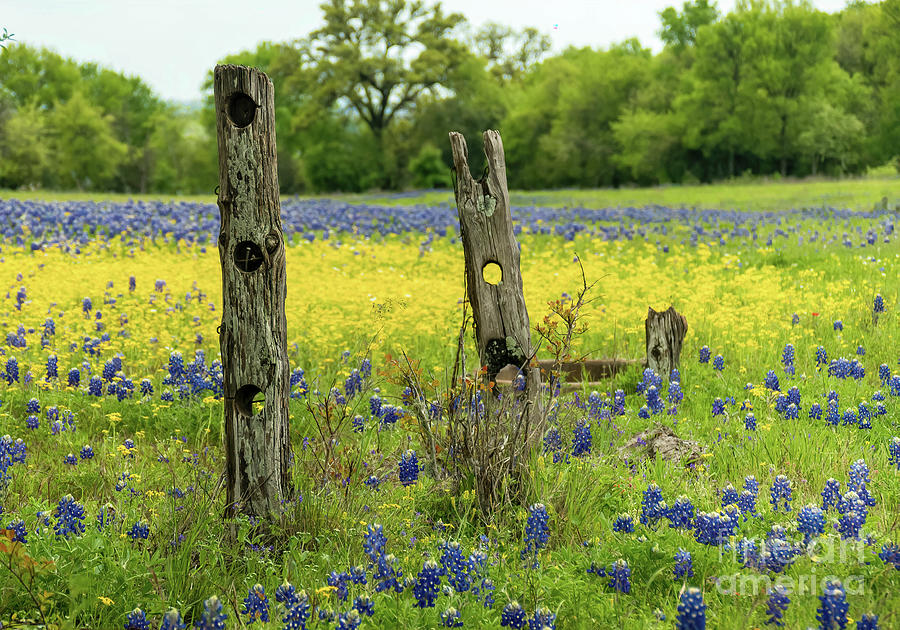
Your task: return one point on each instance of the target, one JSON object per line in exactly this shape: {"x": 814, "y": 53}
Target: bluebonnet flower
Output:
{"x": 894, "y": 452}
{"x": 838, "y": 325}
{"x": 70, "y": 517}
{"x": 537, "y": 530}
{"x": 137, "y": 620}
{"x": 372, "y": 482}
{"x": 581, "y": 442}
{"x": 884, "y": 373}
{"x": 810, "y": 522}
{"x": 714, "y": 529}
{"x": 20, "y": 534}
{"x": 860, "y": 351}
{"x": 718, "y": 407}
{"x": 654, "y": 402}
{"x": 747, "y": 504}
{"x": 644, "y": 412}
{"x": 750, "y": 422}
{"x": 751, "y": 485}
{"x": 213, "y": 618}
{"x": 865, "y": 416}
{"x": 650, "y": 379}
{"x": 624, "y": 523}
{"x": 172, "y": 621}
{"x": 849, "y": 417}
{"x": 868, "y": 621}
{"x": 878, "y": 306}
{"x": 781, "y": 490}
{"x": 675, "y": 394}
{"x": 513, "y": 616}
{"x": 31, "y": 422}
{"x": 833, "y": 415}
{"x": 374, "y": 541}
{"x": 552, "y": 440}
{"x": 542, "y": 618}
{"x": 704, "y": 354}
{"x": 681, "y": 515}
{"x": 11, "y": 374}
{"x": 815, "y": 411}
{"x": 619, "y": 401}
{"x": 792, "y": 412}
{"x": 795, "y": 319}
{"x": 297, "y": 612}
{"x": 408, "y": 468}
{"x": 787, "y": 359}
{"x": 771, "y": 381}
{"x": 777, "y": 604}
{"x": 52, "y": 367}
{"x": 729, "y": 495}
{"x": 450, "y": 618}
{"x": 74, "y": 377}
{"x": 140, "y": 530}
{"x": 359, "y": 423}
{"x": 691, "y": 611}
{"x": 684, "y": 565}
{"x": 33, "y": 406}
{"x": 719, "y": 362}
{"x": 890, "y": 554}
{"x": 364, "y": 605}
{"x": 146, "y": 387}
{"x": 832, "y": 611}
{"x": 86, "y": 306}
{"x": 821, "y": 357}
{"x": 831, "y": 494}
{"x": 652, "y": 506}
{"x": 427, "y": 584}
{"x": 256, "y": 605}
{"x": 454, "y": 566}
{"x": 70, "y": 459}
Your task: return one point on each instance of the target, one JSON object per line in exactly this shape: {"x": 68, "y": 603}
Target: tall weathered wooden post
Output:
{"x": 253, "y": 334}
{"x": 502, "y": 329}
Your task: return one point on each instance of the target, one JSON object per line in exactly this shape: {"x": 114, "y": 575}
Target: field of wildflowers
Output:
{"x": 111, "y": 503}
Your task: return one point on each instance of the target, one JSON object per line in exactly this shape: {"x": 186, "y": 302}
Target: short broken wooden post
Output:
{"x": 253, "y": 334}
{"x": 665, "y": 333}
{"x": 502, "y": 329}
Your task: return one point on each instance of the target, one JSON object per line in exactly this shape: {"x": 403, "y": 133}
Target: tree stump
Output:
{"x": 253, "y": 334}
{"x": 665, "y": 334}
{"x": 493, "y": 277}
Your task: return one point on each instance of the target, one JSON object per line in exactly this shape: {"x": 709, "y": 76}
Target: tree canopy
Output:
{"x": 366, "y": 101}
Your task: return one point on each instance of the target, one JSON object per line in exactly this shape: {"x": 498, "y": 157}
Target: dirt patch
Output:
{"x": 661, "y": 441}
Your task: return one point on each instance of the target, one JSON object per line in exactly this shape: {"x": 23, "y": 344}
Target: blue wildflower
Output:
{"x": 450, "y": 618}
{"x": 771, "y": 381}
{"x": 719, "y": 362}
{"x": 213, "y": 618}
{"x": 513, "y": 616}
{"x": 427, "y": 584}
{"x": 408, "y": 468}
{"x": 704, "y": 354}
{"x": 684, "y": 565}
{"x": 137, "y": 620}
{"x": 832, "y": 611}
{"x": 70, "y": 517}
{"x": 777, "y": 604}
{"x": 581, "y": 442}
{"x": 781, "y": 490}
{"x": 691, "y": 611}
{"x": 256, "y": 605}
{"x": 624, "y": 523}
{"x": 172, "y": 621}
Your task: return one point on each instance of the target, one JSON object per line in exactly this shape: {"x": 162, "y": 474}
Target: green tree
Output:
{"x": 428, "y": 169}
{"x": 679, "y": 30}
{"x": 86, "y": 153}
{"x": 510, "y": 53}
{"x": 24, "y": 153}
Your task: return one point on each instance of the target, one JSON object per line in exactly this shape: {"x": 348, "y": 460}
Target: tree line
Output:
{"x": 366, "y": 101}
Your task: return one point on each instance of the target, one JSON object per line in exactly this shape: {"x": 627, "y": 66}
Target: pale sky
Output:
{"x": 171, "y": 44}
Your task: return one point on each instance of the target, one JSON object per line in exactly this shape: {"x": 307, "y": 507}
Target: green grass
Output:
{"x": 768, "y": 195}
{"x": 739, "y": 298}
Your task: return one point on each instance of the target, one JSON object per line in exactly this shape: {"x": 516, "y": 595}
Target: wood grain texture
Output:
{"x": 665, "y": 333}
{"x": 502, "y": 328}
{"x": 253, "y": 335}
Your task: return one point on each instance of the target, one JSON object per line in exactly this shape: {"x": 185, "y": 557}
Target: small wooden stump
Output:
{"x": 665, "y": 334}
{"x": 493, "y": 277}
{"x": 253, "y": 334}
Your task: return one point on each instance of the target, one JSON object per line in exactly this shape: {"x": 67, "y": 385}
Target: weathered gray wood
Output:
{"x": 502, "y": 329}
{"x": 665, "y": 333}
{"x": 253, "y": 334}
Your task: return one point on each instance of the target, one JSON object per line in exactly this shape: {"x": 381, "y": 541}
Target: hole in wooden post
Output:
{"x": 248, "y": 256}
{"x": 249, "y": 400}
{"x": 492, "y": 273}
{"x": 241, "y": 109}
